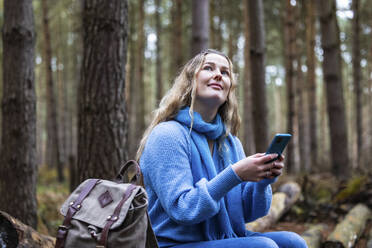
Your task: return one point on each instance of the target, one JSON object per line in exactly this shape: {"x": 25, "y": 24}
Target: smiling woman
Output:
{"x": 202, "y": 188}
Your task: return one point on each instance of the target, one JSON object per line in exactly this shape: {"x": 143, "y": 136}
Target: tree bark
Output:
{"x": 302, "y": 122}
{"x": 216, "y": 20}
{"x": 18, "y": 170}
{"x": 290, "y": 55}
{"x": 177, "y": 46}
{"x": 53, "y": 145}
{"x": 282, "y": 201}
{"x": 248, "y": 138}
{"x": 370, "y": 101}
{"x": 350, "y": 228}
{"x": 257, "y": 52}
{"x": 357, "y": 78}
{"x": 200, "y": 26}
{"x": 311, "y": 83}
{"x": 138, "y": 85}
{"x": 16, "y": 234}
{"x": 130, "y": 90}
{"x": 333, "y": 79}
{"x": 102, "y": 117}
{"x": 301, "y": 93}
{"x": 159, "y": 80}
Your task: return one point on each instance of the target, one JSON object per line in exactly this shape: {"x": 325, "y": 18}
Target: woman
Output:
{"x": 202, "y": 188}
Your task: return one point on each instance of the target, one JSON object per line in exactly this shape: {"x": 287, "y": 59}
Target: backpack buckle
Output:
{"x": 62, "y": 231}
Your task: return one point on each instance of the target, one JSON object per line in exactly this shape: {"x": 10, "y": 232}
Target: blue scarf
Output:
{"x": 229, "y": 221}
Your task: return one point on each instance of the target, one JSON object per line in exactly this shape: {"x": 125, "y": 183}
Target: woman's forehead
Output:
{"x": 216, "y": 59}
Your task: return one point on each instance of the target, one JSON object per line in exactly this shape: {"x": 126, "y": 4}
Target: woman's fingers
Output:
{"x": 266, "y": 158}
{"x": 276, "y": 172}
{"x": 258, "y": 155}
{"x": 281, "y": 158}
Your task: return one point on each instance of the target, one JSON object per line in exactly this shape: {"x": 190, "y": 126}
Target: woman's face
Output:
{"x": 213, "y": 81}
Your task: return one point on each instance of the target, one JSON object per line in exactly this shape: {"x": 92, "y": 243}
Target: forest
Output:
{"x": 79, "y": 81}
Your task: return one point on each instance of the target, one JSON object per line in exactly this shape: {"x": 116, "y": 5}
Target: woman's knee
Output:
{"x": 260, "y": 242}
{"x": 287, "y": 239}
{"x": 296, "y": 240}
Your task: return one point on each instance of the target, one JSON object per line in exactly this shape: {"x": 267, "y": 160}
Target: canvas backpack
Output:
{"x": 110, "y": 214}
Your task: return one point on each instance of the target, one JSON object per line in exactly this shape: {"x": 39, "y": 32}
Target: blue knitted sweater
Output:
{"x": 182, "y": 207}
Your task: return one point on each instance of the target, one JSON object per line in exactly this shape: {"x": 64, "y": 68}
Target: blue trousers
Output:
{"x": 257, "y": 240}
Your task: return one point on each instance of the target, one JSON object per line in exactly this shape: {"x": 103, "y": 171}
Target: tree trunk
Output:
{"x": 257, "y": 45}
{"x": 16, "y": 234}
{"x": 248, "y": 138}
{"x": 325, "y": 155}
{"x": 369, "y": 158}
{"x": 311, "y": 83}
{"x": 349, "y": 229}
{"x": 200, "y": 26}
{"x": 51, "y": 121}
{"x": 18, "y": 170}
{"x": 282, "y": 201}
{"x": 159, "y": 80}
{"x": 62, "y": 81}
{"x": 216, "y": 20}
{"x": 333, "y": 80}
{"x": 131, "y": 77}
{"x": 102, "y": 117}
{"x": 290, "y": 55}
{"x": 138, "y": 85}
{"x": 213, "y": 29}
{"x": 357, "y": 78}
{"x": 177, "y": 46}
{"x": 301, "y": 110}
{"x": 302, "y": 122}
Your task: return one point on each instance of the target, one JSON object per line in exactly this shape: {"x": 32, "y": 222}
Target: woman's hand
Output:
{"x": 253, "y": 168}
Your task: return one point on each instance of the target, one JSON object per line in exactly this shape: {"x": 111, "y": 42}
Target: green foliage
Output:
{"x": 50, "y": 196}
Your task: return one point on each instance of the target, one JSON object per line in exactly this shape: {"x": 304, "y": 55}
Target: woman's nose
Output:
{"x": 218, "y": 75}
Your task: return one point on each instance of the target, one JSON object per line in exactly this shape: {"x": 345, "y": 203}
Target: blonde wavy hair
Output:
{"x": 183, "y": 93}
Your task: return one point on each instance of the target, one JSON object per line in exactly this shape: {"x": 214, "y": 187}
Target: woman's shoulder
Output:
{"x": 169, "y": 130}
{"x": 167, "y": 136}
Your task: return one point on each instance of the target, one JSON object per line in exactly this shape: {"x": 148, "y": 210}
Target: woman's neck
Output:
{"x": 207, "y": 113}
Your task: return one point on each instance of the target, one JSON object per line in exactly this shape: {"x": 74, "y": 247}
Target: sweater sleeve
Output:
{"x": 165, "y": 164}
{"x": 256, "y": 195}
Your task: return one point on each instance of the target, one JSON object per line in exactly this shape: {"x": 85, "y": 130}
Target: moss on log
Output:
{"x": 314, "y": 235}
{"x": 349, "y": 229}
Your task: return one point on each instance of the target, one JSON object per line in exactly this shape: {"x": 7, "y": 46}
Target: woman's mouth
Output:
{"x": 216, "y": 86}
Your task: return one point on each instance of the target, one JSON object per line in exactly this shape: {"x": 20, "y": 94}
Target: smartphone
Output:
{"x": 278, "y": 145}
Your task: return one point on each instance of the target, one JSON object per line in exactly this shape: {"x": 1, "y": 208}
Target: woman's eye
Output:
{"x": 225, "y": 73}
{"x": 208, "y": 68}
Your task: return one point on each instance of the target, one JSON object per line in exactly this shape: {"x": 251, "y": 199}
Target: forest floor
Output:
{"x": 324, "y": 199}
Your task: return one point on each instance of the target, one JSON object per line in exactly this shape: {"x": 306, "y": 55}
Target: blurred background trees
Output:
{"x": 303, "y": 67}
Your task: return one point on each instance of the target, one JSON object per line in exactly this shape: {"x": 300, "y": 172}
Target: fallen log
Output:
{"x": 349, "y": 229}
{"x": 13, "y": 233}
{"x": 282, "y": 201}
{"x": 314, "y": 235}
{"x": 369, "y": 243}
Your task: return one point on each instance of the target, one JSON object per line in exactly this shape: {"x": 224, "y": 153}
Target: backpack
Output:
{"x": 110, "y": 214}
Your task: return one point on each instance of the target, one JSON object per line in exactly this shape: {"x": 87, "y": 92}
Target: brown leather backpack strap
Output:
{"x": 124, "y": 173}
{"x": 74, "y": 207}
{"x": 115, "y": 216}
